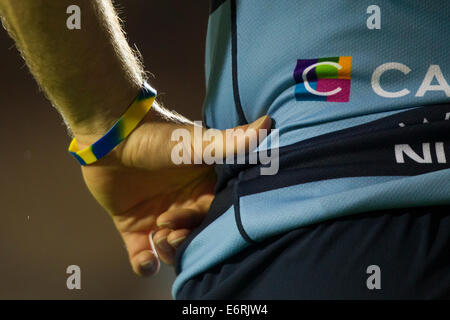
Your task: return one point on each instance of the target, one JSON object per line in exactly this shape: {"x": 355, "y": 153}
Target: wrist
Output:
{"x": 103, "y": 114}
{"x": 114, "y": 136}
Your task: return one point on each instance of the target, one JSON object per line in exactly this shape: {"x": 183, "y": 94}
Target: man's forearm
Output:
{"x": 90, "y": 75}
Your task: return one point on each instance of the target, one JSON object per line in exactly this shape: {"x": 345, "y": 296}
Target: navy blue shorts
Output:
{"x": 389, "y": 254}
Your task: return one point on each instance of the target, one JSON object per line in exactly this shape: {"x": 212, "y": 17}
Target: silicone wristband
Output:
{"x": 120, "y": 130}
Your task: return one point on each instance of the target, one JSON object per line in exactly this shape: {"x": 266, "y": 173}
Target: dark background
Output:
{"x": 48, "y": 219}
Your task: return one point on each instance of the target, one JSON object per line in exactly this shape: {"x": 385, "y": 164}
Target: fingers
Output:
{"x": 142, "y": 253}
{"x": 176, "y": 224}
{"x": 176, "y": 237}
{"x": 180, "y": 218}
{"x": 167, "y": 241}
{"x": 186, "y": 218}
{"x": 165, "y": 251}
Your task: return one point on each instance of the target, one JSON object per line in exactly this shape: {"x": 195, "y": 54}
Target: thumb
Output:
{"x": 230, "y": 142}
{"x": 164, "y": 144}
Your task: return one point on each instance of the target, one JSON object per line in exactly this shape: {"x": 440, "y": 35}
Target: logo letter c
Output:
{"x": 318, "y": 93}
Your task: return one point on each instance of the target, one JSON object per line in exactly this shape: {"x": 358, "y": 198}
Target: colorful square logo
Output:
{"x": 323, "y": 79}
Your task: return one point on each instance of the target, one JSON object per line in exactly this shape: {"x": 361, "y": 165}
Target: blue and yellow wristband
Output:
{"x": 119, "y": 132}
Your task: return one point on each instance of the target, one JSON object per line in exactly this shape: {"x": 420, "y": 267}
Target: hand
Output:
{"x": 177, "y": 223}
{"x": 140, "y": 186}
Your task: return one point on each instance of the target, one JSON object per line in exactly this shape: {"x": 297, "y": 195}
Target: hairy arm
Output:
{"x": 90, "y": 75}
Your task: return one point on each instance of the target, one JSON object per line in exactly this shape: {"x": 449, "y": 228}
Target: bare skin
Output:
{"x": 91, "y": 76}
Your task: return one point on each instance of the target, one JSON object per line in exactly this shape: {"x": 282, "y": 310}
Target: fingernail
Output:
{"x": 163, "y": 245}
{"x": 166, "y": 224}
{"x": 175, "y": 243}
{"x": 148, "y": 267}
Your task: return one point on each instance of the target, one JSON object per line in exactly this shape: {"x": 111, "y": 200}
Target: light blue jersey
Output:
{"x": 360, "y": 94}
{"x": 391, "y": 67}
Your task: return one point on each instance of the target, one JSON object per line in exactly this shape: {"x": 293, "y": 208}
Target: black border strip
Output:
{"x": 237, "y": 211}
{"x": 234, "y": 67}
